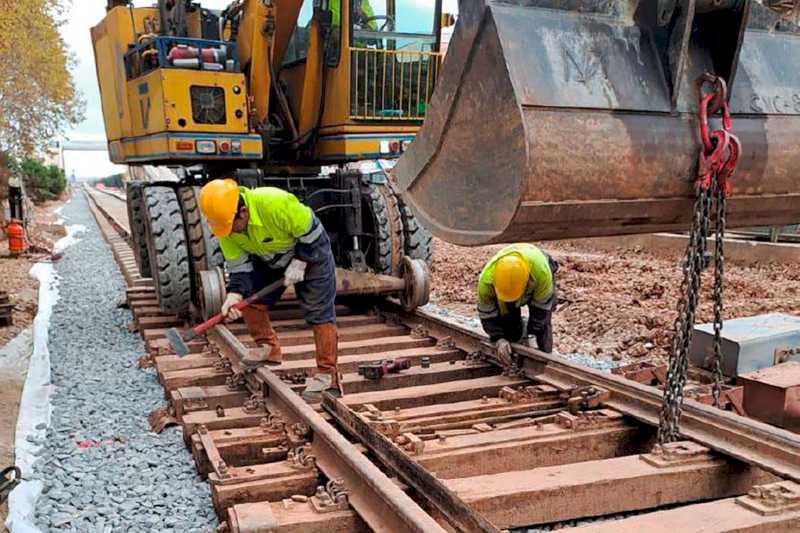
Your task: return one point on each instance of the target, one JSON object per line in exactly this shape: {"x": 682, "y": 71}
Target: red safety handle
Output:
{"x": 218, "y": 318}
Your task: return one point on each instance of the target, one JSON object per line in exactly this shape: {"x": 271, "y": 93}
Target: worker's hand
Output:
{"x": 503, "y": 348}
{"x": 295, "y": 272}
{"x": 228, "y": 311}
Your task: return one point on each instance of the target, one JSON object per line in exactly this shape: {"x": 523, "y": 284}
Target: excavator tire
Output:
{"x": 135, "y": 203}
{"x": 418, "y": 240}
{"x": 383, "y": 214}
{"x": 203, "y": 247}
{"x": 166, "y": 244}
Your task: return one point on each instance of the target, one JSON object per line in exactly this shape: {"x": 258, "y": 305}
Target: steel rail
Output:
{"x": 773, "y": 449}
{"x": 121, "y": 228}
{"x": 459, "y": 514}
{"x": 375, "y": 497}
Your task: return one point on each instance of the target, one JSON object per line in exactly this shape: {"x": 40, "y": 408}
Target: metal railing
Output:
{"x": 391, "y": 84}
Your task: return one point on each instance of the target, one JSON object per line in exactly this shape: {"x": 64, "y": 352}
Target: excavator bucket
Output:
{"x": 577, "y": 118}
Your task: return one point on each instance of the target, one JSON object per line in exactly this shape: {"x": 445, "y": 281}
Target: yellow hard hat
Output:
{"x": 218, "y": 202}
{"x": 510, "y": 278}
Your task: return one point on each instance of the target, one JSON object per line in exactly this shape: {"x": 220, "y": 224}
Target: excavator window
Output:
{"x": 298, "y": 43}
{"x": 395, "y": 60}
{"x": 408, "y": 25}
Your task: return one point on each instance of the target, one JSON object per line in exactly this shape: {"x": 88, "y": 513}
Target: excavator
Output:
{"x": 318, "y": 97}
{"x": 547, "y": 119}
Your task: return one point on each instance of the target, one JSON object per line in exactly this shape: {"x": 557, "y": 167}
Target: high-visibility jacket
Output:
{"x": 366, "y": 12}
{"x": 278, "y": 223}
{"x": 540, "y": 284}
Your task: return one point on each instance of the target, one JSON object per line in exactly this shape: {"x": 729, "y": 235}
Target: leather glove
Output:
{"x": 295, "y": 272}
{"x": 228, "y": 311}
{"x": 504, "y": 352}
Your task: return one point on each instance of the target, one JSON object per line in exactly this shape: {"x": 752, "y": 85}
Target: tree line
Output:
{"x": 38, "y": 98}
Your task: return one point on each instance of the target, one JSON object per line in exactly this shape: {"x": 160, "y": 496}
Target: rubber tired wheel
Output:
{"x": 203, "y": 247}
{"x": 166, "y": 244}
{"x": 418, "y": 241}
{"x": 135, "y": 203}
{"x": 383, "y": 220}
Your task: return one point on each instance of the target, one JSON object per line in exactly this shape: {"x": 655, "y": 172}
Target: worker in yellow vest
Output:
{"x": 266, "y": 234}
{"x": 363, "y": 14}
{"x": 517, "y": 276}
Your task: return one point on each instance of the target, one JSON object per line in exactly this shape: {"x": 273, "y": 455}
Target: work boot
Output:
{"x": 327, "y": 379}
{"x": 258, "y": 324}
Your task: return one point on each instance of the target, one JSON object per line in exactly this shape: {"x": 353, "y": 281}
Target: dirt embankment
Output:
{"x": 14, "y": 278}
{"x": 620, "y": 304}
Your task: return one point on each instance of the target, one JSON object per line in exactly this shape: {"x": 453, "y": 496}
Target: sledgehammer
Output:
{"x": 178, "y": 340}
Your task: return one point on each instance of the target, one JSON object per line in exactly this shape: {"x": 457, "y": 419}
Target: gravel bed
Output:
{"x": 103, "y": 470}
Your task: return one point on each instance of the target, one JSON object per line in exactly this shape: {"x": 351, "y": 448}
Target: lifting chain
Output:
{"x": 717, "y": 163}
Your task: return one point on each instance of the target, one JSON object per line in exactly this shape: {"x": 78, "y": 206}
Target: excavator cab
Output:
{"x": 298, "y": 83}
{"x": 361, "y": 72}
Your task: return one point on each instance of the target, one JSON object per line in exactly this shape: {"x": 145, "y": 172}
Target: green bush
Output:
{"x": 115, "y": 180}
{"x": 42, "y": 182}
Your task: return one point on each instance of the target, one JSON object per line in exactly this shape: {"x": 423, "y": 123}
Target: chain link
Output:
{"x": 719, "y": 274}
{"x": 717, "y": 163}
{"x": 687, "y": 305}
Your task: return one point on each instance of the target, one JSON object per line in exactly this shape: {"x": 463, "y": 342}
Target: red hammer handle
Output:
{"x": 218, "y": 318}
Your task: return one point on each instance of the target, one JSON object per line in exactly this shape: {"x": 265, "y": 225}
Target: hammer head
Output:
{"x": 177, "y": 342}
{"x": 373, "y": 371}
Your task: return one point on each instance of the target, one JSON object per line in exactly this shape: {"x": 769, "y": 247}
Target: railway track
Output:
{"x": 452, "y": 443}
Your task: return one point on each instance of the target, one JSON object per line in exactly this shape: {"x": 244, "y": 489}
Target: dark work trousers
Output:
{"x": 317, "y": 292}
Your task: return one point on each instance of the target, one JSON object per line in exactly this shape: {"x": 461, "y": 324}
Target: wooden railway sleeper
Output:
{"x": 243, "y": 446}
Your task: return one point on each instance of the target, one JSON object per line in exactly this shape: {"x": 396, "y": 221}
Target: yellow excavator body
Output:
{"x": 263, "y": 83}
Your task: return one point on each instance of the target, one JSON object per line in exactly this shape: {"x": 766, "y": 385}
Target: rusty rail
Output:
{"x": 374, "y": 496}
{"x": 773, "y": 449}
{"x": 118, "y": 225}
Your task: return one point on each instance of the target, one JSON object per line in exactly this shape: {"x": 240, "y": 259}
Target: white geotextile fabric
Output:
{"x": 34, "y": 409}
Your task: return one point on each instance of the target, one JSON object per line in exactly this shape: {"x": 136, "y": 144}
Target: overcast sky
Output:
{"x": 85, "y": 14}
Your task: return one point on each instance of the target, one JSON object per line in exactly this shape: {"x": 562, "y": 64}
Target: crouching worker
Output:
{"x": 266, "y": 234}
{"x": 517, "y": 276}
